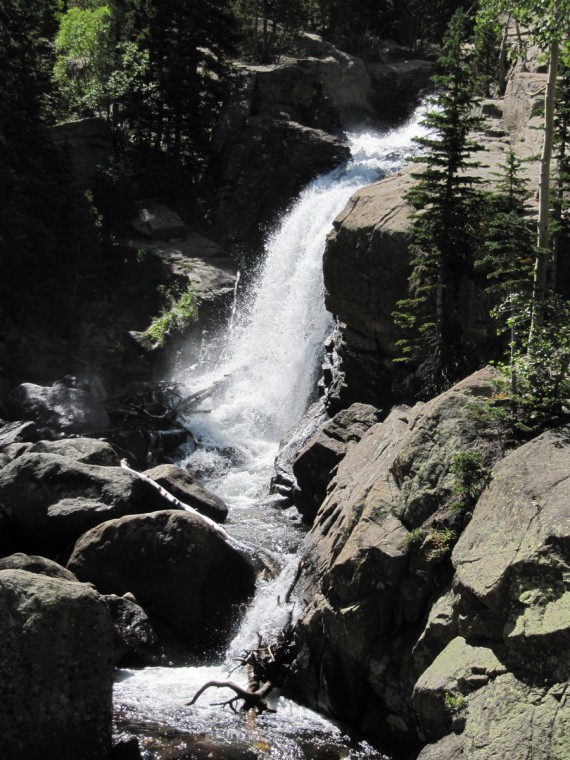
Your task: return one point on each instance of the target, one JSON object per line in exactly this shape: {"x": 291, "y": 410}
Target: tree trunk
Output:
{"x": 541, "y": 263}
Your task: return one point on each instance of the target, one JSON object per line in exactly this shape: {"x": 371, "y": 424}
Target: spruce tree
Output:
{"x": 441, "y": 231}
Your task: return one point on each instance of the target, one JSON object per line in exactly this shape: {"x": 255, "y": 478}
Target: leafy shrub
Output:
{"x": 179, "y": 316}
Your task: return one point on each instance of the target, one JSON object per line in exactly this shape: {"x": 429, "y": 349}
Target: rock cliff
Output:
{"x": 366, "y": 262}
{"x": 421, "y": 637}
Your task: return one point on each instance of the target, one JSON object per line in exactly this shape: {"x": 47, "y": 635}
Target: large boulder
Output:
{"x": 55, "y": 669}
{"x": 135, "y": 637}
{"x": 176, "y": 566}
{"x": 65, "y": 409}
{"x": 85, "y": 450}
{"x": 36, "y": 564}
{"x": 156, "y": 221}
{"x": 366, "y": 267}
{"x": 493, "y": 712}
{"x": 188, "y": 489}
{"x": 511, "y": 561}
{"x": 18, "y": 432}
{"x": 51, "y": 500}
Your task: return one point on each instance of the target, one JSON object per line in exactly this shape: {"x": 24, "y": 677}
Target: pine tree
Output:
{"x": 508, "y": 250}
{"x": 560, "y": 226}
{"x": 445, "y": 198}
{"x": 179, "y": 92}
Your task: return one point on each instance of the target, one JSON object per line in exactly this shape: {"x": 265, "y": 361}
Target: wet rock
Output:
{"x": 36, "y": 564}
{"x": 69, "y": 410}
{"x": 135, "y": 635}
{"x": 188, "y": 489}
{"x": 55, "y": 669}
{"x": 51, "y": 499}
{"x": 176, "y": 565}
{"x": 283, "y": 480}
{"x": 265, "y": 165}
{"x": 407, "y": 78}
{"x": 126, "y": 749}
{"x": 316, "y": 463}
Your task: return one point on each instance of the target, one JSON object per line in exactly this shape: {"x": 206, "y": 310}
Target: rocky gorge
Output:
{"x": 436, "y": 626}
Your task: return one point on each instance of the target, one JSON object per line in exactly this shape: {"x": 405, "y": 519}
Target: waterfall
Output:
{"x": 254, "y": 391}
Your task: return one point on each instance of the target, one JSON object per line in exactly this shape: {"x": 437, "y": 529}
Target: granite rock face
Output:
{"x": 316, "y": 463}
{"x": 512, "y": 560}
{"x": 431, "y": 627}
{"x": 55, "y": 669}
{"x": 367, "y": 261}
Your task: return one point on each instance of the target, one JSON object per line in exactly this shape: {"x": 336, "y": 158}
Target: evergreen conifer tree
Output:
{"x": 445, "y": 198}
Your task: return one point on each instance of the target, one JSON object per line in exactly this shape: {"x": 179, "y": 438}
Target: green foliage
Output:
{"x": 508, "y": 251}
{"x": 49, "y": 244}
{"x": 470, "y": 477}
{"x": 540, "y": 366}
{"x": 269, "y": 28}
{"x": 455, "y": 702}
{"x": 178, "y": 315}
{"x": 441, "y": 541}
{"x": 84, "y": 60}
{"x": 445, "y": 225}
{"x": 416, "y": 537}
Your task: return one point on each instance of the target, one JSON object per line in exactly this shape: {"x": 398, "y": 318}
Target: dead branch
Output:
{"x": 252, "y": 700}
{"x": 177, "y": 504}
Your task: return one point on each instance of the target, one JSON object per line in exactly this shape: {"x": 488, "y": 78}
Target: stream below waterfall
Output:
{"x": 262, "y": 380}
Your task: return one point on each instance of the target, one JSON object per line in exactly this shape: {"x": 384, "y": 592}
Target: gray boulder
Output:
{"x": 188, "y": 489}
{"x": 493, "y": 712}
{"x": 86, "y": 450}
{"x": 266, "y": 164}
{"x": 55, "y": 669}
{"x": 69, "y": 410}
{"x": 52, "y": 499}
{"x": 157, "y": 222}
{"x": 135, "y": 635}
{"x": 510, "y": 561}
{"x": 176, "y": 566}
{"x": 18, "y": 432}
{"x": 35, "y": 564}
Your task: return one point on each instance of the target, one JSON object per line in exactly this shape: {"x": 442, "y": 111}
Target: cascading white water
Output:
{"x": 258, "y": 388}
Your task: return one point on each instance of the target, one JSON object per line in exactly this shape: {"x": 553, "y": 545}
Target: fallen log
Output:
{"x": 177, "y": 504}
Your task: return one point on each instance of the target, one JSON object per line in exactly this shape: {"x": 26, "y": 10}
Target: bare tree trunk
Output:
{"x": 541, "y": 263}
{"x": 503, "y": 56}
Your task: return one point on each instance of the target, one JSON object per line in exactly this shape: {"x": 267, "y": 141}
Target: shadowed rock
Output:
{"x": 55, "y": 669}
{"x": 186, "y": 487}
{"x": 177, "y": 566}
